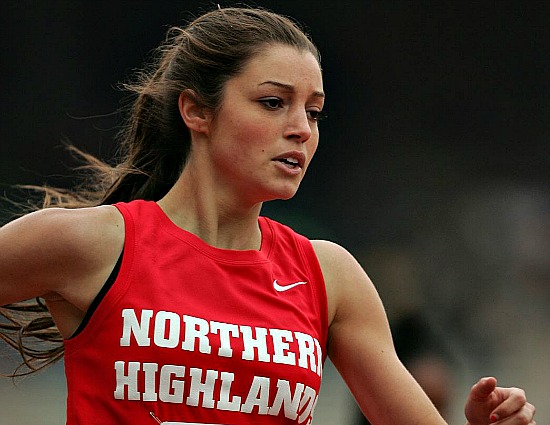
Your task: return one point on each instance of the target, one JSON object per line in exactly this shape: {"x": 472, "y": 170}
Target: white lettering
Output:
{"x": 196, "y": 328}
{"x": 257, "y": 396}
{"x": 225, "y": 404}
{"x": 171, "y": 390}
{"x": 207, "y": 392}
{"x": 319, "y": 357}
{"x": 307, "y": 404}
{"x": 281, "y": 339}
{"x": 252, "y": 344}
{"x": 205, "y": 388}
{"x": 285, "y": 346}
{"x": 128, "y": 381}
{"x": 140, "y": 329}
{"x": 161, "y": 320}
{"x": 306, "y": 346}
{"x": 226, "y": 330}
{"x": 285, "y": 397}
{"x": 150, "y": 370}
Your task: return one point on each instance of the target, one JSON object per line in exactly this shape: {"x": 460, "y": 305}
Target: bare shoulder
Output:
{"x": 60, "y": 229}
{"x": 43, "y": 251}
{"x": 345, "y": 278}
{"x": 337, "y": 263}
{"x": 333, "y": 257}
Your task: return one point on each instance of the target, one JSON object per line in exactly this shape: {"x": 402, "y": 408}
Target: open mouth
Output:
{"x": 290, "y": 162}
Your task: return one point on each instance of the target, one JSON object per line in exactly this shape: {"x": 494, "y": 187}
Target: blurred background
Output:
{"x": 433, "y": 168}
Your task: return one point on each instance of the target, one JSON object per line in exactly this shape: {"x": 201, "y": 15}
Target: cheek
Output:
{"x": 254, "y": 131}
{"x": 252, "y": 137}
{"x": 244, "y": 140}
{"x": 245, "y": 124}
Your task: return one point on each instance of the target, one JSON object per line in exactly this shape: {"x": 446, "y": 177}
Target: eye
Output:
{"x": 316, "y": 115}
{"x": 271, "y": 103}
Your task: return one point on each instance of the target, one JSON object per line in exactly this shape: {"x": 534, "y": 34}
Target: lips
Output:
{"x": 292, "y": 159}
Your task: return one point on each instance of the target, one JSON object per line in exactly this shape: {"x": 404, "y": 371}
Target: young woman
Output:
{"x": 176, "y": 301}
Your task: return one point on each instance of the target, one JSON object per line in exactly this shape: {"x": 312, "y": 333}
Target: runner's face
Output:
{"x": 265, "y": 133}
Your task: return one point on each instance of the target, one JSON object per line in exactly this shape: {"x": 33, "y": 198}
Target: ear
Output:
{"x": 195, "y": 116}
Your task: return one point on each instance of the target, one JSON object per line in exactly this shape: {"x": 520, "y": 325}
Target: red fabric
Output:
{"x": 194, "y": 334}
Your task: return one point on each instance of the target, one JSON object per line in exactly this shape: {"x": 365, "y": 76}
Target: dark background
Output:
{"x": 433, "y": 166}
{"x": 424, "y": 98}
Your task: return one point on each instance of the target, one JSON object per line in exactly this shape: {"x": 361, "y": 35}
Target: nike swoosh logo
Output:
{"x": 281, "y": 288}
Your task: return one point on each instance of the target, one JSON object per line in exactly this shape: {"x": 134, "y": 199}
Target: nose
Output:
{"x": 298, "y": 126}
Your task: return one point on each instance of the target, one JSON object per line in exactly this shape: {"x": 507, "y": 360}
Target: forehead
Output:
{"x": 284, "y": 64}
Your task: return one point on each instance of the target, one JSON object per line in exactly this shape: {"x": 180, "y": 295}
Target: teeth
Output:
{"x": 292, "y": 160}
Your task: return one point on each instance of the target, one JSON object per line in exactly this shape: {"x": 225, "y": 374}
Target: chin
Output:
{"x": 285, "y": 196}
{"x": 281, "y": 193}
{"x": 279, "y": 196}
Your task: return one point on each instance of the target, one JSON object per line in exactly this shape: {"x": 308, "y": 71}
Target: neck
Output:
{"x": 199, "y": 208}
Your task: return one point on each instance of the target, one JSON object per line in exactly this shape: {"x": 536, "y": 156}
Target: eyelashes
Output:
{"x": 317, "y": 115}
{"x": 275, "y": 103}
{"x": 272, "y": 103}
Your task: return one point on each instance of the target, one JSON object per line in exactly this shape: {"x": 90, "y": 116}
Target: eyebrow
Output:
{"x": 290, "y": 87}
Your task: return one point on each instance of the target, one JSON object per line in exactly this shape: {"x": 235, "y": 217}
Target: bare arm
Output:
{"x": 361, "y": 346}
{"x": 61, "y": 255}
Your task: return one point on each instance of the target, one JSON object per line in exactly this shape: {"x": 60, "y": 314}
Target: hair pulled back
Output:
{"x": 201, "y": 58}
{"x": 154, "y": 141}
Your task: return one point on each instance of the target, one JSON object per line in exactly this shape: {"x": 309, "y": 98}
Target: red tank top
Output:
{"x": 193, "y": 334}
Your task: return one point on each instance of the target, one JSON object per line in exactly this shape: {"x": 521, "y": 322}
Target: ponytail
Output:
{"x": 154, "y": 141}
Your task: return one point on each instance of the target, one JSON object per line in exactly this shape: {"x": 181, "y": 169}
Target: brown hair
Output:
{"x": 154, "y": 142}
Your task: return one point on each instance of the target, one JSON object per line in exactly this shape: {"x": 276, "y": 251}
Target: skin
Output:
{"x": 269, "y": 112}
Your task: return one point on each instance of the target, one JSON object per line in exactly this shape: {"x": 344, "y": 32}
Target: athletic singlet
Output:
{"x": 192, "y": 334}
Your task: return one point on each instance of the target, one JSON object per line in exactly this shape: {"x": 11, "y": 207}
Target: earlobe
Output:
{"x": 192, "y": 112}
